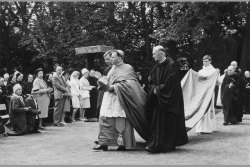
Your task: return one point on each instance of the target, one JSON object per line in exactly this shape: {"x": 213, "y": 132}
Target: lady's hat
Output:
{"x": 38, "y": 70}
{"x": 84, "y": 70}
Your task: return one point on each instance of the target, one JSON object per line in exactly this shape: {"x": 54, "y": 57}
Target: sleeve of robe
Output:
{"x": 167, "y": 92}
{"x": 16, "y": 106}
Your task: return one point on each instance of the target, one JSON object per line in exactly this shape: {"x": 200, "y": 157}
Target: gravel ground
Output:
{"x": 72, "y": 145}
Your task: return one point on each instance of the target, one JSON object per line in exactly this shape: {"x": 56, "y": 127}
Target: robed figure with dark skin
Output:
{"x": 230, "y": 96}
{"x": 165, "y": 106}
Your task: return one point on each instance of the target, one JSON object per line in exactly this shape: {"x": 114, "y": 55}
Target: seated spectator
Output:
{"x": 3, "y": 93}
{"x": 10, "y": 84}
{"x": 19, "y": 79}
{"x": 28, "y": 85}
{"x": 6, "y": 78}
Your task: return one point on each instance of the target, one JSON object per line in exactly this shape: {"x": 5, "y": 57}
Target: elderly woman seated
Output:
{"x": 18, "y": 113}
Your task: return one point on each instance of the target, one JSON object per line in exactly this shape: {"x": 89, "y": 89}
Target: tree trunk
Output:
{"x": 245, "y": 54}
{"x": 146, "y": 32}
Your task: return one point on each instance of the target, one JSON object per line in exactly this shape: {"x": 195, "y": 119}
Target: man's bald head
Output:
{"x": 234, "y": 64}
{"x": 247, "y": 74}
{"x": 159, "y": 48}
{"x": 159, "y": 53}
{"x": 231, "y": 70}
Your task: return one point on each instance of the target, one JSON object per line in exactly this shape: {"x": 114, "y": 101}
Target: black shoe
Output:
{"x": 101, "y": 147}
{"x": 41, "y": 128}
{"x": 14, "y": 133}
{"x": 58, "y": 124}
{"x": 37, "y": 131}
{"x": 121, "y": 148}
{"x": 225, "y": 123}
{"x": 96, "y": 142}
{"x": 151, "y": 150}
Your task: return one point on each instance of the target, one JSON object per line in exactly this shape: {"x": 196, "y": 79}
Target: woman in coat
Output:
{"x": 43, "y": 99}
{"x": 85, "y": 90}
{"x": 75, "y": 91}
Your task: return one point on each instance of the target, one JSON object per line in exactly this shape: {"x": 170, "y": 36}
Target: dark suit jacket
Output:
{"x": 31, "y": 116}
{"x": 59, "y": 86}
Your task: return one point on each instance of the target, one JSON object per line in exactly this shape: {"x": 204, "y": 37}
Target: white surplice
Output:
{"x": 111, "y": 106}
{"x": 207, "y": 124}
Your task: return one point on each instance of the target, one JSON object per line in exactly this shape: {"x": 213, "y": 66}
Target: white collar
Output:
{"x": 163, "y": 60}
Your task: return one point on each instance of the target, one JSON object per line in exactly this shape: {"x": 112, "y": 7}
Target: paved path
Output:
{"x": 72, "y": 145}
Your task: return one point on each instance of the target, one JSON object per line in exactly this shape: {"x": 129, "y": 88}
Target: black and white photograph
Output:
{"x": 124, "y": 82}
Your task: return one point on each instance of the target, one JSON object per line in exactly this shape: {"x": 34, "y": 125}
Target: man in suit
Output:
{"x": 59, "y": 91}
{"x": 32, "y": 117}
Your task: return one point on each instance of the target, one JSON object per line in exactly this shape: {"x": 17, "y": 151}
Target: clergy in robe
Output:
{"x": 107, "y": 59}
{"x": 231, "y": 100}
{"x": 241, "y": 97}
{"x": 90, "y": 113}
{"x": 122, "y": 108}
{"x": 207, "y": 124}
{"x": 246, "y": 107}
{"x": 165, "y": 108}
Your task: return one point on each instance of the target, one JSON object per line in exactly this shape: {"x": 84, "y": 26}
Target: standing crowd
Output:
{"x": 28, "y": 101}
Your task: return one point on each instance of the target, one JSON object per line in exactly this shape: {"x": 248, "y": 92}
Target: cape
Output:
{"x": 197, "y": 95}
{"x": 132, "y": 98}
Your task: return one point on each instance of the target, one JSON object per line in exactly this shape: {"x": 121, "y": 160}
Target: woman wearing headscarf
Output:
{"x": 43, "y": 99}
{"x": 85, "y": 89}
{"x": 75, "y": 91}
{"x": 19, "y": 79}
{"x": 10, "y": 84}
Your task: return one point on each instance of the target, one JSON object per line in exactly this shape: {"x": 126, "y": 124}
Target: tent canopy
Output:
{"x": 93, "y": 49}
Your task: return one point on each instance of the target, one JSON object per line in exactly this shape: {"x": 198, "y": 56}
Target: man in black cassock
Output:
{"x": 91, "y": 112}
{"x": 246, "y": 106}
{"x": 165, "y": 105}
{"x": 230, "y": 96}
{"x": 241, "y": 95}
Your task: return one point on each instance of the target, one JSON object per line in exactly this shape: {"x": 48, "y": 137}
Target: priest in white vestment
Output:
{"x": 207, "y": 124}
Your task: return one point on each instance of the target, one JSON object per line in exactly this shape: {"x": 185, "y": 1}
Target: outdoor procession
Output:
{"x": 124, "y": 83}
